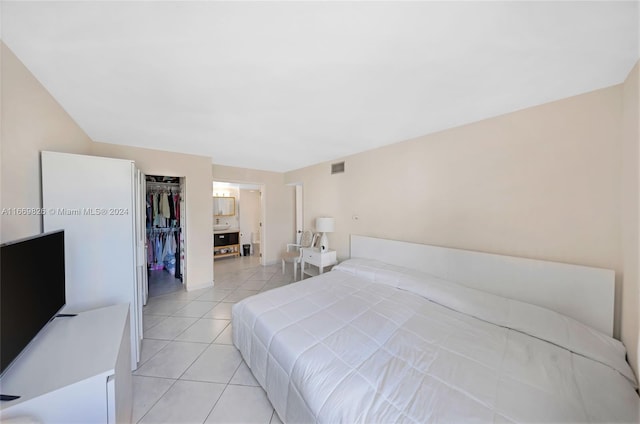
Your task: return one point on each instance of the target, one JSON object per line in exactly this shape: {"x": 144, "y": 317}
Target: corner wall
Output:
{"x": 199, "y": 204}
{"x": 631, "y": 216}
{"x": 32, "y": 121}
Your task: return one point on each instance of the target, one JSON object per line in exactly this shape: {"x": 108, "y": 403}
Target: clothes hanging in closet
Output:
{"x": 163, "y": 250}
{"x": 164, "y": 205}
{"x": 163, "y": 230}
{"x": 172, "y": 211}
{"x": 163, "y": 209}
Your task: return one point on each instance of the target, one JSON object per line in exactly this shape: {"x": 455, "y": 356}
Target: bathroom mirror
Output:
{"x": 224, "y": 206}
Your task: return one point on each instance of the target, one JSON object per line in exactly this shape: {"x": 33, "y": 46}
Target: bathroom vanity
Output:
{"x": 226, "y": 243}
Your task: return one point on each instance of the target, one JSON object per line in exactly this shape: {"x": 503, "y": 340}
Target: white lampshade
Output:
{"x": 325, "y": 225}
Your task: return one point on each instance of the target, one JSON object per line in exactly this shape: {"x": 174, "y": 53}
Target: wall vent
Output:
{"x": 337, "y": 168}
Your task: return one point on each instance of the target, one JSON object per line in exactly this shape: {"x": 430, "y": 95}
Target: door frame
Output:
{"x": 263, "y": 207}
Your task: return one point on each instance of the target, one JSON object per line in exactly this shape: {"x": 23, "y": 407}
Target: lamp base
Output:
{"x": 324, "y": 242}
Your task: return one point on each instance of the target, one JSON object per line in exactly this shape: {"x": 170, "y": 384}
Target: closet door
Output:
{"x": 92, "y": 199}
{"x": 141, "y": 251}
{"x": 142, "y": 236}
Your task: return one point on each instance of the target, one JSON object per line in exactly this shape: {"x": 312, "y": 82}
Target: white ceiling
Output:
{"x": 282, "y": 85}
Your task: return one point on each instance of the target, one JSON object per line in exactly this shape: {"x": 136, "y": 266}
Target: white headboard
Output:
{"x": 583, "y": 293}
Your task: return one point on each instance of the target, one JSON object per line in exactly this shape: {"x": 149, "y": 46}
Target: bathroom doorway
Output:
{"x": 238, "y": 216}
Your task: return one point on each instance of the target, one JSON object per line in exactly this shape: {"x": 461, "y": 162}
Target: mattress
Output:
{"x": 370, "y": 342}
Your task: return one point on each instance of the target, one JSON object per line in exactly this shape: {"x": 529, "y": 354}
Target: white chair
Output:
{"x": 293, "y": 253}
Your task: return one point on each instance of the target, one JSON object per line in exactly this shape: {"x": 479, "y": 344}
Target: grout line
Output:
{"x": 229, "y": 290}
{"x": 151, "y": 357}
{"x": 222, "y": 394}
{"x": 158, "y": 400}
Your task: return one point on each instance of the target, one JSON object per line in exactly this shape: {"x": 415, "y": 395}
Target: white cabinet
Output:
{"x": 317, "y": 258}
{"x": 95, "y": 200}
{"x": 77, "y": 370}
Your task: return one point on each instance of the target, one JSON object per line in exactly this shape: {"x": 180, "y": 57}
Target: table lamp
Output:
{"x": 324, "y": 226}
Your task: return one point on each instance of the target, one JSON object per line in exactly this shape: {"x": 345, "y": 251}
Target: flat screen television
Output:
{"x": 32, "y": 290}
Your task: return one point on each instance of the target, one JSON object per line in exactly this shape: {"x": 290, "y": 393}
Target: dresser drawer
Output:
{"x": 313, "y": 256}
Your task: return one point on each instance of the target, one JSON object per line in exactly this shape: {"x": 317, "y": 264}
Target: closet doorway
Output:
{"x": 241, "y": 226}
{"x": 165, "y": 221}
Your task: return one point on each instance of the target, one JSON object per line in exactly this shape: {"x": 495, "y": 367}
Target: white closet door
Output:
{"x": 92, "y": 199}
{"x": 142, "y": 235}
{"x": 141, "y": 252}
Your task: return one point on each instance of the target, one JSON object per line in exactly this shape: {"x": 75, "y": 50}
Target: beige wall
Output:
{"x": 250, "y": 211}
{"x": 278, "y": 206}
{"x": 631, "y": 216}
{"x": 199, "y": 204}
{"x": 540, "y": 183}
{"x": 32, "y": 121}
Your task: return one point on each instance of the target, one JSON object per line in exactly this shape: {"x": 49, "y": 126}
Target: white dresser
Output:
{"x": 77, "y": 370}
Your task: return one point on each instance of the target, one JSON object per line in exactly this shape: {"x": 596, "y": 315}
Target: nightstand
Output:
{"x": 313, "y": 256}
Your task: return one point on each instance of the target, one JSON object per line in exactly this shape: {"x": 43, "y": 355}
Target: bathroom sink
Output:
{"x": 218, "y": 227}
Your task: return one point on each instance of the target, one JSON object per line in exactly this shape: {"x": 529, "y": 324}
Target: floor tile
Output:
{"x": 243, "y": 376}
{"x": 271, "y": 286}
{"x": 229, "y": 285}
{"x": 221, "y": 311}
{"x": 195, "y": 309}
{"x": 164, "y": 307}
{"x": 172, "y": 360}
{"x": 150, "y": 347}
{"x": 148, "y": 321}
{"x": 215, "y": 295}
{"x": 225, "y": 337}
{"x": 217, "y": 364}
{"x": 176, "y": 296}
{"x": 187, "y": 360}
{"x": 263, "y": 274}
{"x": 205, "y": 330}
{"x": 185, "y": 402}
{"x": 259, "y": 277}
{"x": 239, "y": 294}
{"x": 232, "y": 406}
{"x": 181, "y": 294}
{"x": 169, "y": 328}
{"x": 253, "y": 285}
{"x": 146, "y": 392}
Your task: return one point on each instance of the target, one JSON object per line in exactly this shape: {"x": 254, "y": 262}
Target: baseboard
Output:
{"x": 206, "y": 285}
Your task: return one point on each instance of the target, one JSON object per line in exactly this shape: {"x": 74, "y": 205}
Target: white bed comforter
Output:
{"x": 374, "y": 343}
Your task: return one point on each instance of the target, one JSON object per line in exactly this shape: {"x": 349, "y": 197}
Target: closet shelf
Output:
{"x": 163, "y": 230}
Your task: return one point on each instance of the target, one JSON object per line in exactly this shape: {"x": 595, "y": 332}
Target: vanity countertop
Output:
{"x": 228, "y": 230}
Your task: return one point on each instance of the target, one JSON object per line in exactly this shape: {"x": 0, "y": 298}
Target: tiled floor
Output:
{"x": 190, "y": 372}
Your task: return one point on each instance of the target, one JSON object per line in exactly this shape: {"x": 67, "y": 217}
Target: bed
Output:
{"x": 404, "y": 332}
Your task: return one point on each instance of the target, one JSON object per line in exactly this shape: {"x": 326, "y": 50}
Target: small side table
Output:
{"x": 313, "y": 256}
